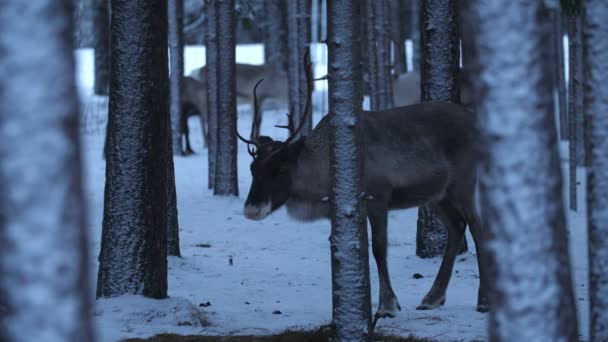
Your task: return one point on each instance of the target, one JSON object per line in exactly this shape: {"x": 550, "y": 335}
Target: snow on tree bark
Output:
{"x": 176, "y": 61}
{"x": 439, "y": 68}
{"x": 101, "y": 11}
{"x": 558, "y": 71}
{"x": 225, "y": 165}
{"x": 44, "y": 280}
{"x": 522, "y": 209}
{"x": 575, "y": 100}
{"x": 298, "y": 36}
{"x": 133, "y": 256}
{"x": 211, "y": 60}
{"x": 348, "y": 240}
{"x": 595, "y": 28}
{"x": 275, "y": 44}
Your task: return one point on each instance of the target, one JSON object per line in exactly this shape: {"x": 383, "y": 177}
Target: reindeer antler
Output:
{"x": 255, "y": 124}
{"x": 309, "y": 85}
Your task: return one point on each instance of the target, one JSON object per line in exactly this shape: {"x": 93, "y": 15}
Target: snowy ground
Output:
{"x": 278, "y": 264}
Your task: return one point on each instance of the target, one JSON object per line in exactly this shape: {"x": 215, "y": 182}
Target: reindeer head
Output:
{"x": 272, "y": 160}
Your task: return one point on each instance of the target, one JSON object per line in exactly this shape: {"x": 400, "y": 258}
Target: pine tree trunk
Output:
{"x": 415, "y": 34}
{"x": 372, "y": 57}
{"x": 595, "y": 45}
{"x": 226, "y": 182}
{"x": 439, "y": 45}
{"x": 298, "y": 33}
{"x": 575, "y": 102}
{"x": 397, "y": 36}
{"x": 176, "y": 55}
{"x": 559, "y": 73}
{"x": 526, "y": 243}
{"x": 133, "y": 257}
{"x": 348, "y": 240}
{"x": 101, "y": 11}
{"x": 382, "y": 58}
{"x": 211, "y": 75}
{"x": 44, "y": 250}
{"x": 275, "y": 44}
{"x": 176, "y": 52}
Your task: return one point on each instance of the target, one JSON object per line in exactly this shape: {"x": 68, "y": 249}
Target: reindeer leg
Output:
{"x": 454, "y": 221}
{"x": 378, "y": 216}
{"x": 475, "y": 227}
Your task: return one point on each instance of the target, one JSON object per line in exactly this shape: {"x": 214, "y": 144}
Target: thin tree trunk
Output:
{"x": 211, "y": 75}
{"x": 397, "y": 36}
{"x": 559, "y": 72}
{"x": 439, "y": 45}
{"x": 176, "y": 55}
{"x": 382, "y": 51}
{"x": 595, "y": 28}
{"x": 575, "y": 102}
{"x": 275, "y": 45}
{"x": 42, "y": 201}
{"x": 526, "y": 244}
{"x": 226, "y": 182}
{"x": 133, "y": 257}
{"x": 415, "y": 34}
{"x": 348, "y": 240}
{"x": 298, "y": 32}
{"x": 101, "y": 38}
{"x": 372, "y": 57}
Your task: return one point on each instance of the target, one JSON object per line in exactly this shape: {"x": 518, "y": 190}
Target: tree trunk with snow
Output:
{"x": 176, "y": 61}
{"x": 298, "y": 37}
{"x": 133, "y": 256}
{"x": 415, "y": 33}
{"x": 211, "y": 75}
{"x": 558, "y": 71}
{"x": 526, "y": 244}
{"x": 226, "y": 182}
{"x": 348, "y": 240}
{"x": 575, "y": 97}
{"x": 275, "y": 44}
{"x": 101, "y": 12}
{"x": 44, "y": 281}
{"x": 378, "y": 50}
{"x": 595, "y": 28}
{"x": 439, "y": 41}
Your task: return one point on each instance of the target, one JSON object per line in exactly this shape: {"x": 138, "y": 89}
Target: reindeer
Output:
{"x": 421, "y": 154}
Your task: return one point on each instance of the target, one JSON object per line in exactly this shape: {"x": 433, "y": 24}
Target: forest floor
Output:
{"x": 238, "y": 277}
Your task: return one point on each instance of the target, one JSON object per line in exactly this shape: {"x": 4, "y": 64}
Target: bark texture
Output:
{"x": 44, "y": 283}
{"x": 596, "y": 106}
{"x": 439, "y": 46}
{"x": 520, "y": 181}
{"x": 348, "y": 240}
{"x": 575, "y": 100}
{"x": 298, "y": 41}
{"x": 226, "y": 182}
{"x": 176, "y": 62}
{"x": 211, "y": 76}
{"x": 101, "y": 16}
{"x": 133, "y": 256}
{"x": 275, "y": 44}
{"x": 378, "y": 47}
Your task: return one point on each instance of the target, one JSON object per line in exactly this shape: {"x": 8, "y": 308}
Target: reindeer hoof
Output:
{"x": 483, "y": 308}
{"x": 428, "y": 304}
{"x": 388, "y": 310}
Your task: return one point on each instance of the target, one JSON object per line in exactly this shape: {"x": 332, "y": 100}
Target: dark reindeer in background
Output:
{"x": 413, "y": 155}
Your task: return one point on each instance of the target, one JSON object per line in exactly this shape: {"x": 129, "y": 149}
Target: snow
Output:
{"x": 277, "y": 263}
